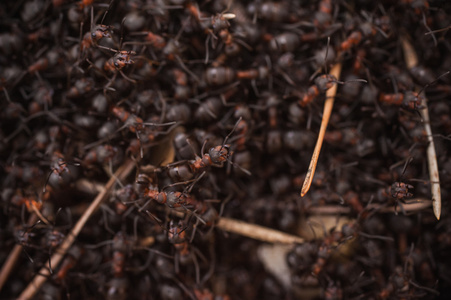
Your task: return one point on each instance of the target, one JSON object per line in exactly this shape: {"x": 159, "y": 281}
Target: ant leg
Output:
{"x": 126, "y": 77}
{"x": 183, "y": 66}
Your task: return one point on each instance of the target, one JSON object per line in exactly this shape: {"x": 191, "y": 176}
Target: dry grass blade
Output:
{"x": 56, "y": 258}
{"x": 13, "y": 256}
{"x": 411, "y": 60}
{"x": 257, "y": 232}
{"x": 328, "y": 105}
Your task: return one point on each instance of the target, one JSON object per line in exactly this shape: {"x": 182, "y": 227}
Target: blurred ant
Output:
{"x": 211, "y": 25}
{"x": 182, "y": 89}
{"x": 232, "y": 47}
{"x": 272, "y": 11}
{"x": 408, "y": 100}
{"x": 171, "y": 49}
{"x": 224, "y": 75}
{"x": 26, "y": 174}
{"x": 61, "y": 172}
{"x": 366, "y": 30}
{"x": 97, "y": 32}
{"x": 184, "y": 253}
{"x": 102, "y": 154}
{"x": 69, "y": 262}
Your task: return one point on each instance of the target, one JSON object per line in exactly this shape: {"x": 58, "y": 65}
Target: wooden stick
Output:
{"x": 56, "y": 258}
{"x": 14, "y": 256}
{"x": 328, "y": 105}
{"x": 411, "y": 60}
{"x": 257, "y": 232}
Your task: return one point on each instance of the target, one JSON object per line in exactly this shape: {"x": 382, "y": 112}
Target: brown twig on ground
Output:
{"x": 328, "y": 105}
{"x": 411, "y": 60}
{"x": 56, "y": 258}
{"x": 13, "y": 256}
{"x": 257, "y": 232}
{"x": 413, "y": 205}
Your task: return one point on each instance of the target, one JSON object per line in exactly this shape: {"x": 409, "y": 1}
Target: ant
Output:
{"x": 102, "y": 154}
{"x": 320, "y": 86}
{"x": 69, "y": 262}
{"x": 366, "y": 30}
{"x": 97, "y": 32}
{"x": 408, "y": 100}
{"x": 225, "y": 75}
{"x": 216, "y": 157}
{"x": 61, "y": 173}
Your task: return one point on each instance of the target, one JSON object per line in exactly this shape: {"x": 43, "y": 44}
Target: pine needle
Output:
{"x": 257, "y": 232}
{"x": 411, "y": 60}
{"x": 328, "y": 105}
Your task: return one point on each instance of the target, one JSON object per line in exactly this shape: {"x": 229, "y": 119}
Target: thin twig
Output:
{"x": 14, "y": 256}
{"x": 411, "y": 60}
{"x": 328, "y": 105}
{"x": 413, "y": 205}
{"x": 56, "y": 258}
{"x": 257, "y": 232}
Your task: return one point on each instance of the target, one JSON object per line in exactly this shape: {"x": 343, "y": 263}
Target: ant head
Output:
{"x": 413, "y": 101}
{"x": 219, "y": 154}
{"x": 101, "y": 31}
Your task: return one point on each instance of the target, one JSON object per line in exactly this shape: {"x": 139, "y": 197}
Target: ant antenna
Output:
{"x": 227, "y": 137}
{"x": 108, "y": 9}
{"x": 327, "y": 52}
{"x": 433, "y": 82}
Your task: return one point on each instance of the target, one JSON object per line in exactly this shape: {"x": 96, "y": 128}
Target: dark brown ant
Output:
{"x": 118, "y": 289}
{"x": 97, "y": 32}
{"x": 182, "y": 88}
{"x": 177, "y": 237}
{"x": 119, "y": 61}
{"x": 400, "y": 191}
{"x": 232, "y": 47}
{"x": 216, "y": 156}
{"x": 321, "y": 85}
{"x": 210, "y": 25}
{"x": 323, "y": 16}
{"x": 61, "y": 173}
{"x": 26, "y": 174}
{"x": 209, "y": 109}
{"x": 225, "y": 75}
{"x": 102, "y": 154}
{"x": 82, "y": 87}
{"x": 408, "y": 100}
{"x": 69, "y": 262}
{"x": 273, "y": 11}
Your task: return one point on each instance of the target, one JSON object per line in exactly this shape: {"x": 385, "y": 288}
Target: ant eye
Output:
{"x": 116, "y": 65}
